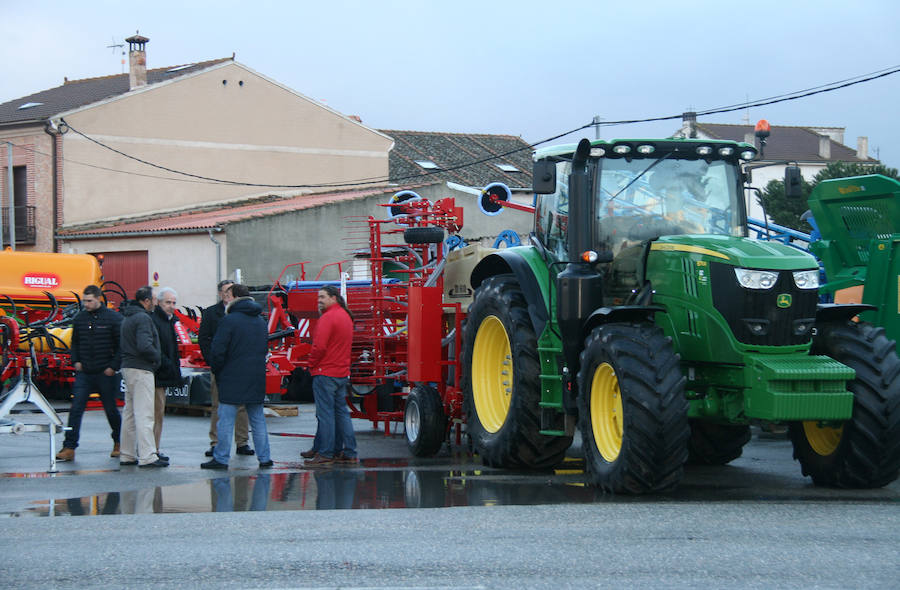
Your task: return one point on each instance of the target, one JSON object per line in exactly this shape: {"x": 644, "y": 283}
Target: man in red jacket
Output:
{"x": 329, "y": 363}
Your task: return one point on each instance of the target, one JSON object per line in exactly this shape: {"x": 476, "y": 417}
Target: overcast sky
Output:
{"x": 533, "y": 69}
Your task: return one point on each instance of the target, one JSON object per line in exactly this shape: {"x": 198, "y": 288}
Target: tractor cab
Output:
{"x": 638, "y": 191}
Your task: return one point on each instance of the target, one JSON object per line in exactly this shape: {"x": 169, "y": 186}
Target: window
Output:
{"x": 29, "y": 105}
{"x": 427, "y": 164}
{"x": 507, "y": 168}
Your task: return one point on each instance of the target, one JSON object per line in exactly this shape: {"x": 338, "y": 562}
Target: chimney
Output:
{"x": 862, "y": 147}
{"x": 689, "y": 124}
{"x": 137, "y": 61}
{"x": 824, "y": 147}
{"x": 750, "y": 138}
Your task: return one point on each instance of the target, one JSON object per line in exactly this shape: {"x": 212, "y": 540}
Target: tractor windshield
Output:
{"x": 643, "y": 198}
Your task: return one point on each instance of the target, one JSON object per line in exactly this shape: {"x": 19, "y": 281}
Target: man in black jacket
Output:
{"x": 140, "y": 358}
{"x": 209, "y": 323}
{"x": 96, "y": 357}
{"x": 169, "y": 372}
{"x": 238, "y": 359}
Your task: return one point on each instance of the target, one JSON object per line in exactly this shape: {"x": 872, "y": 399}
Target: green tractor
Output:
{"x": 642, "y": 315}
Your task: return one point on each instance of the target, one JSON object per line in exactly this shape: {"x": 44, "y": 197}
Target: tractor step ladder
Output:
{"x": 553, "y": 417}
{"x": 26, "y": 391}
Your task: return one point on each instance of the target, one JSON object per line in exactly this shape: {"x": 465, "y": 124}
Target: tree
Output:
{"x": 787, "y": 212}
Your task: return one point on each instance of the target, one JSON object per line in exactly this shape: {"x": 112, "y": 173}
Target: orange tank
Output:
{"x": 25, "y": 275}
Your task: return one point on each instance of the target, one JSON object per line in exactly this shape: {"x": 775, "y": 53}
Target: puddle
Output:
{"x": 322, "y": 490}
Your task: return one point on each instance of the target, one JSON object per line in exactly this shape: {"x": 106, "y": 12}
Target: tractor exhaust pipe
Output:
{"x": 579, "y": 286}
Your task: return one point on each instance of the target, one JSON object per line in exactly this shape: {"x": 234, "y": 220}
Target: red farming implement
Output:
{"x": 404, "y": 363}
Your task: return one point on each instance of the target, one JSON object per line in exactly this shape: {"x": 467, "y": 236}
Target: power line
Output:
{"x": 796, "y": 95}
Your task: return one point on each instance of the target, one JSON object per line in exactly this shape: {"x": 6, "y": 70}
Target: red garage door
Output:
{"x": 128, "y": 269}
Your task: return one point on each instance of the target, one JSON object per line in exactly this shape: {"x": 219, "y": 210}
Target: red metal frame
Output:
{"x": 384, "y": 366}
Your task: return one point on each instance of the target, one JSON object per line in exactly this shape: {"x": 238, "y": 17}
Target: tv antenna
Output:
{"x": 115, "y": 46}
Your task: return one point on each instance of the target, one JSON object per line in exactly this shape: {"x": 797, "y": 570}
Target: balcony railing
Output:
{"x": 25, "y": 229}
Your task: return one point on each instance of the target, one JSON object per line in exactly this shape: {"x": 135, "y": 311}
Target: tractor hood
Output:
{"x": 739, "y": 252}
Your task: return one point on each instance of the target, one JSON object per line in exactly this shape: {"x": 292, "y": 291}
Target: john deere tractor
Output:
{"x": 642, "y": 315}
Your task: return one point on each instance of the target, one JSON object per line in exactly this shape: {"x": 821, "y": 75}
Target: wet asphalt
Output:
{"x": 755, "y": 523}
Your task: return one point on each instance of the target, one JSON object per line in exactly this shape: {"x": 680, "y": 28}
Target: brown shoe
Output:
{"x": 345, "y": 460}
{"x": 115, "y": 451}
{"x": 66, "y": 454}
{"x": 319, "y": 461}
{"x": 308, "y": 454}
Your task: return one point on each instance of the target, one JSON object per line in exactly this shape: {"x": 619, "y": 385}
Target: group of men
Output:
{"x": 233, "y": 339}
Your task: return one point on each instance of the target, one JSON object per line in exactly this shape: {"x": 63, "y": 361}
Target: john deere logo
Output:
{"x": 783, "y": 301}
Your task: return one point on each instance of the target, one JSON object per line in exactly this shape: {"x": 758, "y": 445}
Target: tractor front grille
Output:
{"x": 754, "y": 315}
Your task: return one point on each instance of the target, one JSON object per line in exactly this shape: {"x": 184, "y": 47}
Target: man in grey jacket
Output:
{"x": 140, "y": 358}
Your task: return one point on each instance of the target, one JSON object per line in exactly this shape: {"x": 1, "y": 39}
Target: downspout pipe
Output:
{"x": 51, "y": 130}
{"x": 218, "y": 257}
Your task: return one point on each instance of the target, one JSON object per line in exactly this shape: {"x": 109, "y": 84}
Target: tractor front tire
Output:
{"x": 501, "y": 381}
{"x": 632, "y": 409}
{"x": 424, "y": 421}
{"x": 863, "y": 452}
{"x": 716, "y": 444}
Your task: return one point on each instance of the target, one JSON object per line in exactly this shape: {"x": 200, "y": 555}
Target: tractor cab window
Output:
{"x": 645, "y": 198}
{"x": 552, "y": 217}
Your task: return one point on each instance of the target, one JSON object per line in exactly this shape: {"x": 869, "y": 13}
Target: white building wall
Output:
{"x": 187, "y": 263}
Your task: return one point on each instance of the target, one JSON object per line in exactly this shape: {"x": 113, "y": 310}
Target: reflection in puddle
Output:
{"x": 324, "y": 490}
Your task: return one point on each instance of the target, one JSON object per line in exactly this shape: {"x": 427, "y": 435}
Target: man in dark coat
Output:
{"x": 238, "y": 361}
{"x": 169, "y": 372}
{"x": 96, "y": 357}
{"x": 209, "y": 323}
{"x": 140, "y": 357}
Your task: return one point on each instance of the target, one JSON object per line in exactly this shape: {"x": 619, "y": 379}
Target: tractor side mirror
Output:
{"x": 793, "y": 188}
{"x": 543, "y": 177}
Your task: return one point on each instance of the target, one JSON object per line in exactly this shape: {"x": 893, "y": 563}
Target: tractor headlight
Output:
{"x": 756, "y": 279}
{"x": 806, "y": 279}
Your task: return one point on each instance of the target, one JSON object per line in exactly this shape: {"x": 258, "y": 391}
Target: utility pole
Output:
{"x": 596, "y": 124}
{"x": 12, "y": 195}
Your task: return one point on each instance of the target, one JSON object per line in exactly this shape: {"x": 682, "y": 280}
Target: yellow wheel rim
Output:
{"x": 824, "y": 440}
{"x": 492, "y": 373}
{"x": 607, "y": 416}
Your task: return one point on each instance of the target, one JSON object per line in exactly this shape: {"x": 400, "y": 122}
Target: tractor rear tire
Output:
{"x": 501, "y": 381}
{"x": 716, "y": 444}
{"x": 424, "y": 421}
{"x": 632, "y": 409}
{"x": 864, "y": 452}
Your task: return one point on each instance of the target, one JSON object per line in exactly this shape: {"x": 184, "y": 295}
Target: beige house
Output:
{"x": 82, "y": 151}
{"x": 82, "y": 161}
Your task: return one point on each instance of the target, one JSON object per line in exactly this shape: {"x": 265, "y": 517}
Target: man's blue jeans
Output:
{"x": 335, "y": 428}
{"x": 86, "y": 384}
{"x": 225, "y": 431}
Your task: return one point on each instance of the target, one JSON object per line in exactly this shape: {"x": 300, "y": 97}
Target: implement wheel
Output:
{"x": 716, "y": 444}
{"x": 863, "y": 452}
{"x": 424, "y": 421}
{"x": 632, "y": 409}
{"x": 501, "y": 383}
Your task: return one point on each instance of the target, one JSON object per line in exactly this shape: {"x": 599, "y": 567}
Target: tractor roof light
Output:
{"x": 748, "y": 154}
{"x": 704, "y": 150}
{"x": 589, "y": 256}
{"x": 756, "y": 279}
{"x": 597, "y": 152}
{"x": 726, "y": 151}
{"x": 646, "y": 149}
{"x": 622, "y": 149}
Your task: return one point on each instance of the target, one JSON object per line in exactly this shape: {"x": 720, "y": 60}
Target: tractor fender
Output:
{"x": 620, "y": 314}
{"x": 830, "y": 312}
{"x": 509, "y": 261}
